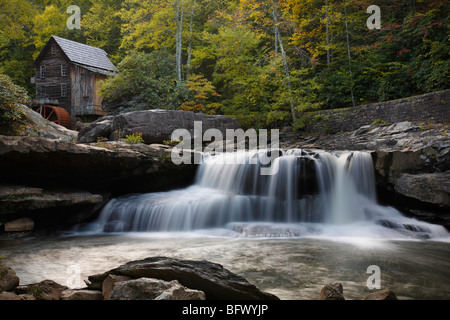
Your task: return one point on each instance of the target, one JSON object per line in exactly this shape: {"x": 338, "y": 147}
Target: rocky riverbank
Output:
{"x": 158, "y": 278}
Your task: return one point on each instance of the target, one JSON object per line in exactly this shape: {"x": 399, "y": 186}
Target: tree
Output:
{"x": 11, "y": 95}
{"x": 150, "y": 76}
{"x": 201, "y": 96}
{"x": 16, "y": 41}
{"x": 179, "y": 8}
{"x": 102, "y": 27}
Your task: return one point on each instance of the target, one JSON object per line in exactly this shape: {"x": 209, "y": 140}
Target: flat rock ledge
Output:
{"x": 156, "y": 278}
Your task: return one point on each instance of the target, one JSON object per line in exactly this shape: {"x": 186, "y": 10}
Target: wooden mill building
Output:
{"x": 68, "y": 77}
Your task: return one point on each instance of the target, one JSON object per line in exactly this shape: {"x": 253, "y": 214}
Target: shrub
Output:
{"x": 134, "y": 138}
{"x": 11, "y": 117}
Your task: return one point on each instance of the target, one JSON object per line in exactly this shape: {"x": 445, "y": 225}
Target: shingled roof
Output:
{"x": 85, "y": 55}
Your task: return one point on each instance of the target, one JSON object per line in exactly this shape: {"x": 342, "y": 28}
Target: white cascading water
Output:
{"x": 313, "y": 192}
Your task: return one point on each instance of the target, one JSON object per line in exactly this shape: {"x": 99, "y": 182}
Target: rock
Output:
{"x": 37, "y": 126}
{"x": 12, "y": 201}
{"x": 118, "y": 168}
{"x": 80, "y": 125}
{"x": 155, "y": 125}
{"x": 81, "y": 295}
{"x": 400, "y": 127}
{"x": 332, "y": 291}
{"x": 211, "y": 278}
{"x": 381, "y": 295}
{"x": 8, "y": 279}
{"x": 26, "y": 296}
{"x": 153, "y": 289}
{"x": 109, "y": 283}
{"x": 19, "y": 202}
{"x": 9, "y": 296}
{"x": 433, "y": 188}
{"x": 22, "y": 224}
{"x": 102, "y": 128}
{"x": 44, "y": 290}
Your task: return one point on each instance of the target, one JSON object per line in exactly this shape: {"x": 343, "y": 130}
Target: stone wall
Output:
{"x": 431, "y": 107}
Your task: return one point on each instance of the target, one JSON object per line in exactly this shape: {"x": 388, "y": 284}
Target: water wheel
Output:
{"x": 57, "y": 115}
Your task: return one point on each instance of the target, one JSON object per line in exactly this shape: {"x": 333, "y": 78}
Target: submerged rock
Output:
{"x": 215, "y": 281}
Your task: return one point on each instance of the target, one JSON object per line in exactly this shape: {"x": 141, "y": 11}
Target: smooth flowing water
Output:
{"x": 315, "y": 220}
{"x": 291, "y": 268}
{"x": 318, "y": 191}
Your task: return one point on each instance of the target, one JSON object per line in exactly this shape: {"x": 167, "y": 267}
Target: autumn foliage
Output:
{"x": 261, "y": 61}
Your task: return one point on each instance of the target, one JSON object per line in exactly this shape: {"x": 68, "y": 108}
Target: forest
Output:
{"x": 263, "y": 62}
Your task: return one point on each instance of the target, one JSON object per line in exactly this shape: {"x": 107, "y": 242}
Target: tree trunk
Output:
{"x": 285, "y": 64}
{"x": 349, "y": 56}
{"x": 275, "y": 31}
{"x": 179, "y": 40}
{"x": 326, "y": 28}
{"x": 191, "y": 28}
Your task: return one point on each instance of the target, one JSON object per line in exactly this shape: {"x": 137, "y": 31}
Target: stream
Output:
{"x": 315, "y": 220}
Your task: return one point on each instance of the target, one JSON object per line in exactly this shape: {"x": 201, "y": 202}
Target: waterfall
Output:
{"x": 310, "y": 190}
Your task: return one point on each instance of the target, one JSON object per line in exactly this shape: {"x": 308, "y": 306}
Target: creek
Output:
{"x": 312, "y": 220}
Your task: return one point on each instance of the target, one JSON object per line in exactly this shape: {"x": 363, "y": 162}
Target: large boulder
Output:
{"x": 156, "y": 125}
{"x": 432, "y": 188}
{"x": 215, "y": 281}
{"x": 37, "y": 126}
{"x": 8, "y": 279}
{"x": 109, "y": 283}
{"x": 101, "y": 128}
{"x": 153, "y": 289}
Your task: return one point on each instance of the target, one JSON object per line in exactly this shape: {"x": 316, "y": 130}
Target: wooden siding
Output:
{"x": 50, "y": 86}
{"x": 85, "y": 98}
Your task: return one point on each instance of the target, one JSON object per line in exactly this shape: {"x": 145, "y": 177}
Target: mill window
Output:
{"x": 42, "y": 72}
{"x": 63, "y": 90}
